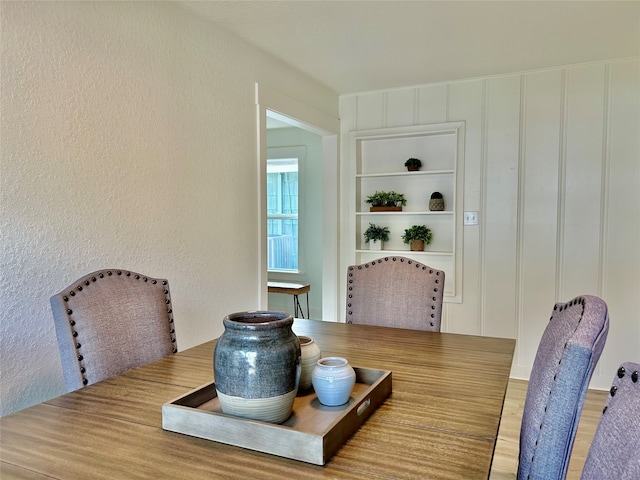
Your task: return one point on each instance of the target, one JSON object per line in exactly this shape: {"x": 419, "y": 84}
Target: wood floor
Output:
{"x": 505, "y": 459}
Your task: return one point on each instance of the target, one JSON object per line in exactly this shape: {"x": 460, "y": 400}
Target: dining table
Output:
{"x": 440, "y": 421}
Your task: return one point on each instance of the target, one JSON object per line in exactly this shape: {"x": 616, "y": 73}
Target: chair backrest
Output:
{"x": 395, "y": 292}
{"x": 567, "y": 354}
{"x": 110, "y": 321}
{"x": 615, "y": 450}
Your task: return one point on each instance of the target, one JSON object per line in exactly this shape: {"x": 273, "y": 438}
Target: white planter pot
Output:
{"x": 375, "y": 245}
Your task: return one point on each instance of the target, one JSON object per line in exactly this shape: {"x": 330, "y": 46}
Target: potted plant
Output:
{"x": 386, "y": 201}
{"x": 375, "y": 235}
{"x": 417, "y": 236}
{"x": 436, "y": 202}
{"x": 413, "y": 164}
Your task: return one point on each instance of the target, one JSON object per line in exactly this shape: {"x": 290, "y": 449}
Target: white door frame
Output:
{"x": 308, "y": 118}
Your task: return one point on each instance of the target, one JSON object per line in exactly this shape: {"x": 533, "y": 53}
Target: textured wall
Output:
{"x": 552, "y": 163}
{"x": 127, "y": 141}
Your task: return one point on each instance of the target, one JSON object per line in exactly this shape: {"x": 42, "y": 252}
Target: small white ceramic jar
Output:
{"x": 310, "y": 354}
{"x": 333, "y": 379}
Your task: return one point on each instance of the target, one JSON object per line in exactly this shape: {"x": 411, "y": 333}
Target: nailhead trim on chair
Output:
{"x": 378, "y": 261}
{"x": 109, "y": 273}
{"x": 621, "y": 373}
{"x": 559, "y": 308}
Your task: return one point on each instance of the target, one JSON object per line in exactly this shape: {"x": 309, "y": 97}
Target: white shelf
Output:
{"x": 405, "y": 174}
{"x": 404, "y": 212}
{"x": 377, "y": 164}
{"x": 404, "y": 253}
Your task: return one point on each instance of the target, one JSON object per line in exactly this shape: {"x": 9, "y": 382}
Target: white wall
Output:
{"x": 128, "y": 140}
{"x": 311, "y": 221}
{"x": 553, "y": 166}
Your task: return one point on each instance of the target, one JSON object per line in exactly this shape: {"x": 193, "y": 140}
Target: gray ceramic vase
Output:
{"x": 256, "y": 364}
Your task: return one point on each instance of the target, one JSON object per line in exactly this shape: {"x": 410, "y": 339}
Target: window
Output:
{"x": 282, "y": 214}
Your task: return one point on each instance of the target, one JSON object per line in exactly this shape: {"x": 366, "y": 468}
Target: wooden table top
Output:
{"x": 441, "y": 420}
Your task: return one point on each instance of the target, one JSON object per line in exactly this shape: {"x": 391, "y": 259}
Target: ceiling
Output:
{"x": 357, "y": 46}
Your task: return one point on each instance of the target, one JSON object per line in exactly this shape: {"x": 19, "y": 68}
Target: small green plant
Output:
{"x": 417, "y": 232}
{"x": 413, "y": 163}
{"x": 374, "y": 232}
{"x": 386, "y": 199}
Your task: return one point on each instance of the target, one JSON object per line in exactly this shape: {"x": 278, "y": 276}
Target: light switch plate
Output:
{"x": 471, "y": 218}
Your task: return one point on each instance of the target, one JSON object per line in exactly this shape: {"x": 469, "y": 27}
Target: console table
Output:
{"x": 294, "y": 289}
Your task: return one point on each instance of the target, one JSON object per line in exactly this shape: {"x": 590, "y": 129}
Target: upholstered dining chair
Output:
{"x": 615, "y": 450}
{"x": 397, "y": 292}
{"x": 110, "y": 321}
{"x": 567, "y": 354}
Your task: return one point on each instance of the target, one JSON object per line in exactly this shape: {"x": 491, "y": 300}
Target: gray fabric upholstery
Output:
{"x": 615, "y": 450}
{"x": 111, "y": 321}
{"x": 567, "y": 354}
{"x": 395, "y": 292}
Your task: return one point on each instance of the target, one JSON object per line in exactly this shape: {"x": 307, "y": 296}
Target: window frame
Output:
{"x": 299, "y": 152}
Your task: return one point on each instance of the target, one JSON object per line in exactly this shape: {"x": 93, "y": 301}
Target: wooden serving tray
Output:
{"x": 312, "y": 434}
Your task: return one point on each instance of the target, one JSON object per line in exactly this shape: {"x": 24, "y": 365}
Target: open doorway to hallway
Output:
{"x": 294, "y": 212}
{"x": 296, "y": 134}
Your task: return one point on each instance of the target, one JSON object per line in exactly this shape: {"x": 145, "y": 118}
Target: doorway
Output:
{"x": 284, "y": 126}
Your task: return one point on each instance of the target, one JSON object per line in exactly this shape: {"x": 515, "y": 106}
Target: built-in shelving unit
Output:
{"x": 378, "y": 158}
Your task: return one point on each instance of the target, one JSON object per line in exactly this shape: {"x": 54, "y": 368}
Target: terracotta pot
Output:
{"x": 417, "y": 245}
{"x": 385, "y": 209}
